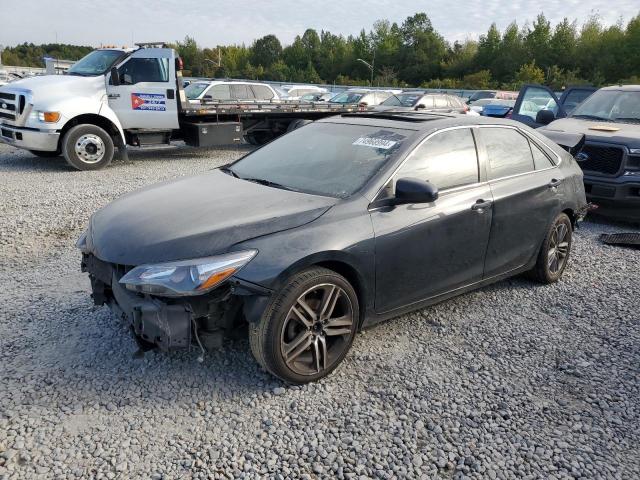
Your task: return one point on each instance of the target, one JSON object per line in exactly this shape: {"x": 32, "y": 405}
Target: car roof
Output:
{"x": 624, "y": 88}
{"x": 418, "y": 121}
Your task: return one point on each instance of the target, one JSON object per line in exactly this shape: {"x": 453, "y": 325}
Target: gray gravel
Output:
{"x": 516, "y": 380}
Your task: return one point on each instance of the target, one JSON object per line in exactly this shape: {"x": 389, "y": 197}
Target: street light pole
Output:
{"x": 371, "y": 67}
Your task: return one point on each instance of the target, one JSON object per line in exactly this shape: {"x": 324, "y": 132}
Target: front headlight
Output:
{"x": 48, "y": 117}
{"x": 186, "y": 277}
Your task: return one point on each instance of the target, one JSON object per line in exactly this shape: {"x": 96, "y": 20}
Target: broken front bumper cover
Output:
{"x": 154, "y": 322}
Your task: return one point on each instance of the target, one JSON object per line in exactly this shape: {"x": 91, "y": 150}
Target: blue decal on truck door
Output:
{"x": 148, "y": 101}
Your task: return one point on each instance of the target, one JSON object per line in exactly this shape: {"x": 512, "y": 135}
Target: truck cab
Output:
{"x": 110, "y": 98}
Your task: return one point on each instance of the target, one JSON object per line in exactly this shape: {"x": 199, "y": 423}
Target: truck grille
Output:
{"x": 11, "y": 105}
{"x": 602, "y": 159}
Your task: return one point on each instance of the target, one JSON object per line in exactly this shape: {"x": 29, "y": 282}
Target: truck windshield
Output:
{"x": 96, "y": 63}
{"x": 611, "y": 105}
{"x": 329, "y": 159}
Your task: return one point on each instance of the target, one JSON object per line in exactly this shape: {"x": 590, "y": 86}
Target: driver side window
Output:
{"x": 536, "y": 99}
{"x": 137, "y": 70}
{"x": 447, "y": 160}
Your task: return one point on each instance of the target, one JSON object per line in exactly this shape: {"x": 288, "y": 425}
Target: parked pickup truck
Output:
{"x": 134, "y": 97}
{"x": 610, "y": 120}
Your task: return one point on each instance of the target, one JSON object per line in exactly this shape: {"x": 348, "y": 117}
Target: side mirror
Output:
{"x": 420, "y": 106}
{"x": 545, "y": 117}
{"x": 115, "y": 77}
{"x": 413, "y": 190}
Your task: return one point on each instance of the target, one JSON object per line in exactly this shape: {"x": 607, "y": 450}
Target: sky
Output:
{"x": 223, "y": 22}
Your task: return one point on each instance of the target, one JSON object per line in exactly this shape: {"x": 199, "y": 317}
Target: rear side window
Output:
{"x": 241, "y": 92}
{"x": 427, "y": 101}
{"x": 441, "y": 102}
{"x": 447, "y": 160}
{"x": 508, "y": 152}
{"x": 219, "y": 92}
{"x": 455, "y": 102}
{"x": 262, "y": 92}
{"x": 540, "y": 159}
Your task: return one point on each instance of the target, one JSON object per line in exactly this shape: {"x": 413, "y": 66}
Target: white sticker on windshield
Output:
{"x": 372, "y": 142}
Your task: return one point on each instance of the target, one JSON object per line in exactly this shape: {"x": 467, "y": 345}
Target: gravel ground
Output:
{"x": 516, "y": 380}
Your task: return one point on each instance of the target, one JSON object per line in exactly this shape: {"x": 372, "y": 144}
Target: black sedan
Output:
{"x": 331, "y": 228}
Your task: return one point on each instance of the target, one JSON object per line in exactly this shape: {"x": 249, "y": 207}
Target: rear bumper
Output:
{"x": 616, "y": 197}
{"x": 29, "y": 139}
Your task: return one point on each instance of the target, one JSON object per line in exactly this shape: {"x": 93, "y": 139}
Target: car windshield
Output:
{"x": 329, "y": 159}
{"x": 96, "y": 63}
{"x": 347, "y": 97}
{"x": 481, "y": 94}
{"x": 402, "y": 100}
{"x": 611, "y": 105}
{"x": 193, "y": 90}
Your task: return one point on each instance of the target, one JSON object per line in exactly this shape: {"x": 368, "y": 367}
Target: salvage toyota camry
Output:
{"x": 331, "y": 228}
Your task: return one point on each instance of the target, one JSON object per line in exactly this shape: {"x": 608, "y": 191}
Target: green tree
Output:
{"x": 477, "y": 80}
{"x": 266, "y": 51}
{"x": 530, "y": 73}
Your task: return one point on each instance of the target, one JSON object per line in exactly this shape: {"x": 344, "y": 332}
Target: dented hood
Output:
{"x": 195, "y": 217}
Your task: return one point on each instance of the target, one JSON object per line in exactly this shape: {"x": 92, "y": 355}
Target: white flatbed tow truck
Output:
{"x": 115, "y": 98}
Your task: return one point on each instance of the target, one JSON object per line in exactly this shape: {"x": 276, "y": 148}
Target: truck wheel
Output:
{"x": 294, "y": 125}
{"x": 87, "y": 147}
{"x": 42, "y": 154}
{"x": 308, "y": 328}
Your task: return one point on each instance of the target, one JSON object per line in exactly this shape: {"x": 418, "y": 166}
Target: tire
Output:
{"x": 43, "y": 154}
{"x": 259, "y": 137}
{"x": 87, "y": 147}
{"x": 326, "y": 338}
{"x": 552, "y": 260}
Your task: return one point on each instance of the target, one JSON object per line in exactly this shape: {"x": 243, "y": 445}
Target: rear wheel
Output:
{"x": 87, "y": 147}
{"x": 259, "y": 137}
{"x": 308, "y": 328}
{"x": 554, "y": 253}
{"x": 43, "y": 154}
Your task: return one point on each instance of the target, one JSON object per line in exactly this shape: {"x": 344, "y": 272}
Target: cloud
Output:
{"x": 242, "y": 21}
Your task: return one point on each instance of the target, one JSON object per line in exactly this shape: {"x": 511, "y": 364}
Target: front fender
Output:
{"x": 106, "y": 112}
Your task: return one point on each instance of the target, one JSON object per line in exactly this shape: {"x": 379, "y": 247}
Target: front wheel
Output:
{"x": 308, "y": 328}
{"x": 554, "y": 253}
{"x": 87, "y": 147}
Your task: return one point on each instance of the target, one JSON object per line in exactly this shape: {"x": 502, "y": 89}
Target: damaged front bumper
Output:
{"x": 166, "y": 323}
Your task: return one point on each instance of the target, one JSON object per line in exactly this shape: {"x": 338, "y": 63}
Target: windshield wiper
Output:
{"x": 226, "y": 169}
{"x": 268, "y": 183}
{"x": 627, "y": 119}
{"x": 592, "y": 117}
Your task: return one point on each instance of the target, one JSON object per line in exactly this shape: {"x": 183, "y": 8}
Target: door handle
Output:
{"x": 114, "y": 95}
{"x": 170, "y": 94}
{"x": 481, "y": 204}
{"x": 554, "y": 183}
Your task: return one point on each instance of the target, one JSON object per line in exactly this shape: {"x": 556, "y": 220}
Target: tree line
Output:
{"x": 413, "y": 53}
